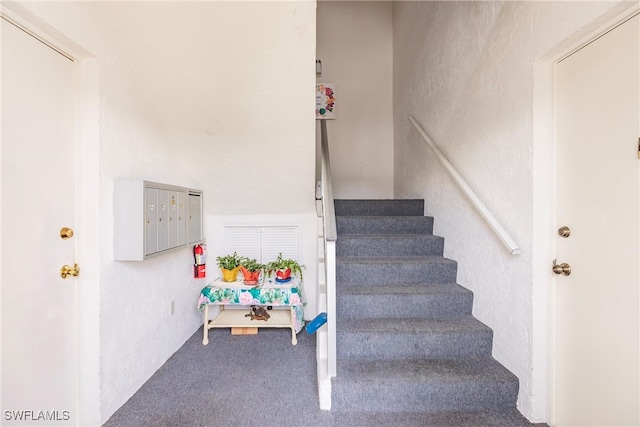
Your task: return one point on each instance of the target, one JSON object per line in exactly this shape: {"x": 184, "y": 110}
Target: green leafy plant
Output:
{"x": 252, "y": 264}
{"x": 229, "y": 262}
{"x": 285, "y": 264}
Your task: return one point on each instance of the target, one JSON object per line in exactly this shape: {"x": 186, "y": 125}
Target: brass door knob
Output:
{"x": 66, "y": 270}
{"x": 564, "y": 231}
{"x": 564, "y": 268}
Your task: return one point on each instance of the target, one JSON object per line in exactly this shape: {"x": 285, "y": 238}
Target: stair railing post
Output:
{"x": 330, "y": 237}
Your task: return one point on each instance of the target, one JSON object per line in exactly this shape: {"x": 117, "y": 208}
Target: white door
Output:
{"x": 598, "y": 199}
{"x": 39, "y": 311}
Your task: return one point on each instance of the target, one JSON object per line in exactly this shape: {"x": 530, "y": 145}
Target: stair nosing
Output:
{"x": 385, "y": 216}
{"x": 455, "y": 363}
{"x": 403, "y": 236}
{"x": 464, "y": 322}
{"x": 395, "y": 259}
{"x": 404, "y": 289}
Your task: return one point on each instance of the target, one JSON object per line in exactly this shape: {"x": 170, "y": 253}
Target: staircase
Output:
{"x": 407, "y": 343}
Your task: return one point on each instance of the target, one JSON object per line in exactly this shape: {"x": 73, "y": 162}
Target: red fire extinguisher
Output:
{"x": 200, "y": 255}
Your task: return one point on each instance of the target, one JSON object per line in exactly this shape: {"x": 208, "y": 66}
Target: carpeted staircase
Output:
{"x": 406, "y": 340}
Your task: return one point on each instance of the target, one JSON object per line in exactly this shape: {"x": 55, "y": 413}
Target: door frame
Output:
{"x": 544, "y": 206}
{"x": 87, "y": 192}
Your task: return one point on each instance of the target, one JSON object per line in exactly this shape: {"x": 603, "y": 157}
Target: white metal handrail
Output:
{"x": 330, "y": 237}
{"x": 493, "y": 223}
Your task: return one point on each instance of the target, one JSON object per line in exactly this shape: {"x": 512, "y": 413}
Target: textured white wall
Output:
{"x": 229, "y": 83}
{"x": 465, "y": 71}
{"x": 354, "y": 43}
{"x": 187, "y": 92}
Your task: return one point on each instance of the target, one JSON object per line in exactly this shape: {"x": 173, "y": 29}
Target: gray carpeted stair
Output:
{"x": 407, "y": 342}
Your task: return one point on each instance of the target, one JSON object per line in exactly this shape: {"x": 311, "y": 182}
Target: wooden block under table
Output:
{"x": 244, "y": 331}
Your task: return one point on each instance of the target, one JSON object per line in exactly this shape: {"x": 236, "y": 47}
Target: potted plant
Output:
{"x": 251, "y": 270}
{"x": 229, "y": 265}
{"x": 284, "y": 268}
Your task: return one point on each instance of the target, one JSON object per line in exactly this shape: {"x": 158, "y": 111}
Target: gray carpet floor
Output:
{"x": 260, "y": 381}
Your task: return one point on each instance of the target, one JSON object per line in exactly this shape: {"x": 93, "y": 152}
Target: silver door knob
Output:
{"x": 564, "y": 268}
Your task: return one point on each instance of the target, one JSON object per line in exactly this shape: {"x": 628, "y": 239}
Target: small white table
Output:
{"x": 285, "y": 298}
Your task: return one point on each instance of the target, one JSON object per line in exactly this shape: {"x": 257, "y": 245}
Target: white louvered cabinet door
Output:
{"x": 243, "y": 240}
{"x": 277, "y": 240}
{"x": 263, "y": 243}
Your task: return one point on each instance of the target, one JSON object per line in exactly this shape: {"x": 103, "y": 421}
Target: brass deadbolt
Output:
{"x": 66, "y": 233}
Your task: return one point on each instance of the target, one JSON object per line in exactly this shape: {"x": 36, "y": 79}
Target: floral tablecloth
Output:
{"x": 267, "y": 293}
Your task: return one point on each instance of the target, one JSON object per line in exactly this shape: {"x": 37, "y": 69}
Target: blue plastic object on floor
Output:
{"x": 317, "y": 321}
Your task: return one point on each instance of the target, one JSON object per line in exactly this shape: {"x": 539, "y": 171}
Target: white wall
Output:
{"x": 186, "y": 91}
{"x": 229, "y": 84}
{"x": 354, "y": 43}
{"x": 465, "y": 71}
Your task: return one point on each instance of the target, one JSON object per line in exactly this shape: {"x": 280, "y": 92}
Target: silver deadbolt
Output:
{"x": 564, "y": 231}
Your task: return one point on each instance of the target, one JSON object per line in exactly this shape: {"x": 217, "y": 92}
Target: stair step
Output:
{"x": 379, "y": 207}
{"x": 389, "y": 245}
{"x": 382, "y": 271}
{"x": 423, "y": 385}
{"x": 420, "y": 300}
{"x": 412, "y": 338}
{"x": 510, "y": 417}
{"x": 384, "y": 225}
